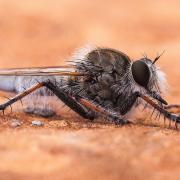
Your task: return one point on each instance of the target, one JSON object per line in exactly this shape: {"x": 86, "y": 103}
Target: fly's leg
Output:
{"x": 20, "y": 96}
{"x": 125, "y": 107}
{"x": 81, "y": 106}
{"x": 162, "y": 110}
{"x": 172, "y": 106}
{"x": 71, "y": 102}
{"x": 68, "y": 100}
{"x": 112, "y": 115}
{"x": 84, "y": 107}
{"x": 158, "y": 107}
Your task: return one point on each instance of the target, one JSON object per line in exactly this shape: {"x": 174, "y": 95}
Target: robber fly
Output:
{"x": 97, "y": 81}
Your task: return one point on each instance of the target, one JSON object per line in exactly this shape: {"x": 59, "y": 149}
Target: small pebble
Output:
{"x": 37, "y": 123}
{"x": 15, "y": 123}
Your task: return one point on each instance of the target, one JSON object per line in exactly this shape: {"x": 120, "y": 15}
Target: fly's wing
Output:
{"x": 41, "y": 71}
{"x": 18, "y": 79}
{"x": 41, "y": 102}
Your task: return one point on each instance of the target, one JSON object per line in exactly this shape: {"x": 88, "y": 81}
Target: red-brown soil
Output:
{"x": 43, "y": 33}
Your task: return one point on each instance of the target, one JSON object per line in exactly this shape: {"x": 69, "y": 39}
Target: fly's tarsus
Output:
{"x": 172, "y": 106}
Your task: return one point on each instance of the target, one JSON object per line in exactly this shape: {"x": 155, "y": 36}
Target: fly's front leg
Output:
{"x": 130, "y": 100}
{"x": 172, "y": 106}
{"x": 161, "y": 109}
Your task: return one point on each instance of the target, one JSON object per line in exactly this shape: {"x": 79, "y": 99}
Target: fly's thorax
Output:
{"x": 108, "y": 60}
{"x": 100, "y": 60}
{"x": 111, "y": 61}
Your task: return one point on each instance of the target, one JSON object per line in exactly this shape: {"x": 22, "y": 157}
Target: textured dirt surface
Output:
{"x": 44, "y": 32}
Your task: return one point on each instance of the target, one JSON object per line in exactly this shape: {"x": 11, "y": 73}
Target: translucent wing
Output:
{"x": 41, "y": 71}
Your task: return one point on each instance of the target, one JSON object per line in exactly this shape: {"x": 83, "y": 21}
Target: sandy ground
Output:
{"x": 43, "y": 33}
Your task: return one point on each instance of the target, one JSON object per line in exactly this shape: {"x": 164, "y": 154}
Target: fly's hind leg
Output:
{"x": 20, "y": 96}
{"x": 68, "y": 100}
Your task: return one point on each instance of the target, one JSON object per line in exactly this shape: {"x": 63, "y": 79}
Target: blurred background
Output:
{"x": 46, "y": 33}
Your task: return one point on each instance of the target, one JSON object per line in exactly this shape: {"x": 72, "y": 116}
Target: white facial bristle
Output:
{"x": 162, "y": 81}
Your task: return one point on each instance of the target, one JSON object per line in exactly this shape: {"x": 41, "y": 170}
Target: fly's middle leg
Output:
{"x": 71, "y": 101}
{"x": 109, "y": 114}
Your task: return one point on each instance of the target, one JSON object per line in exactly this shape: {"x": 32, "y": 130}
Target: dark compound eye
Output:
{"x": 141, "y": 73}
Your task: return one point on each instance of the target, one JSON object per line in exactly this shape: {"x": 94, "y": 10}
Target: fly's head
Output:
{"x": 147, "y": 75}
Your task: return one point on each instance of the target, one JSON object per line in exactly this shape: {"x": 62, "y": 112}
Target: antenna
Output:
{"x": 158, "y": 57}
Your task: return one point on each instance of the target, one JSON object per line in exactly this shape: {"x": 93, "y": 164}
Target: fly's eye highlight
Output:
{"x": 141, "y": 73}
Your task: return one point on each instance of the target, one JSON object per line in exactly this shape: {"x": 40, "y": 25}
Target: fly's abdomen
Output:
{"x": 24, "y": 82}
{"x": 7, "y": 83}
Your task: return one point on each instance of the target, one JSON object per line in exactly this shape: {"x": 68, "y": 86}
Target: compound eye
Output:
{"x": 141, "y": 73}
